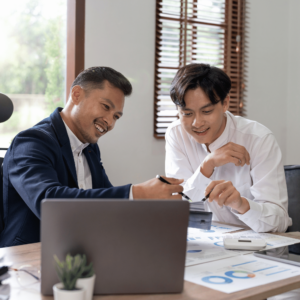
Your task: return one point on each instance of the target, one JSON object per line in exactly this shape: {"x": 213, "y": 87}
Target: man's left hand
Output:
{"x": 224, "y": 193}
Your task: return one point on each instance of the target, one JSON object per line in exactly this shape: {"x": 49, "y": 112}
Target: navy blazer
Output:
{"x": 38, "y": 165}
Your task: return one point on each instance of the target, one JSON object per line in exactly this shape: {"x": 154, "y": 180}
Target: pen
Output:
{"x": 206, "y": 197}
{"x": 167, "y": 182}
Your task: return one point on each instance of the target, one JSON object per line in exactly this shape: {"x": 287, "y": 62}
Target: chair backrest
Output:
{"x": 1, "y": 194}
{"x": 292, "y": 176}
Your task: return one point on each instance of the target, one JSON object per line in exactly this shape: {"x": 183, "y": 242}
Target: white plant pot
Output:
{"x": 60, "y": 294}
{"x": 88, "y": 285}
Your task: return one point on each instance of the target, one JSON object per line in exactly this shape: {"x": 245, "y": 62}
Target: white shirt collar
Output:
{"x": 76, "y": 145}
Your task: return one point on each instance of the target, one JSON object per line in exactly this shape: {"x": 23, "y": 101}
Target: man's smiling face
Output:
{"x": 203, "y": 120}
{"x": 96, "y": 111}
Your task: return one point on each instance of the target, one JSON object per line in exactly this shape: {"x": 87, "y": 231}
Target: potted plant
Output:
{"x": 68, "y": 272}
{"x": 87, "y": 279}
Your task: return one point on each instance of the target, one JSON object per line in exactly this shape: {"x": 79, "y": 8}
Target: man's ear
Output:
{"x": 76, "y": 94}
{"x": 226, "y": 103}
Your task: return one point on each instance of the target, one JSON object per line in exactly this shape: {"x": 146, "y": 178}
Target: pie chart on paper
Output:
{"x": 194, "y": 251}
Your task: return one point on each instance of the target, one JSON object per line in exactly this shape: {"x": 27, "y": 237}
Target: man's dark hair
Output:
{"x": 94, "y": 78}
{"x": 213, "y": 81}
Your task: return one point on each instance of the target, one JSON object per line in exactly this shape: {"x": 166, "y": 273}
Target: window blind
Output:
{"x": 201, "y": 31}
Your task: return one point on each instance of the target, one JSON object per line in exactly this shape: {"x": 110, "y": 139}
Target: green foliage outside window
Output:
{"x": 35, "y": 61}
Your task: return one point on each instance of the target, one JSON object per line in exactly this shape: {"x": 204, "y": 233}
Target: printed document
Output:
{"x": 238, "y": 273}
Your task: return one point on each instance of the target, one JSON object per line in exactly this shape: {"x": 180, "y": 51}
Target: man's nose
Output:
{"x": 197, "y": 122}
{"x": 109, "y": 120}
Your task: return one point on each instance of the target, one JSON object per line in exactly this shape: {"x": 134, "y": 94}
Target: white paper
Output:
{"x": 238, "y": 273}
{"x": 273, "y": 241}
{"x": 216, "y": 229}
{"x": 205, "y": 248}
{"x": 201, "y": 250}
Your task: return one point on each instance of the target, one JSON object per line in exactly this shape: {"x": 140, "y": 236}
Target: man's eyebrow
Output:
{"x": 109, "y": 101}
{"x": 186, "y": 108}
{"x": 112, "y": 105}
{"x": 207, "y": 105}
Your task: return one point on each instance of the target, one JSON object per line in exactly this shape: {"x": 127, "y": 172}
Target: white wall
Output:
{"x": 273, "y": 71}
{"x": 293, "y": 95}
{"x": 121, "y": 34}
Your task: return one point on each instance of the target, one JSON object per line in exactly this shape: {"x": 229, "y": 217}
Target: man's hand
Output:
{"x": 224, "y": 193}
{"x": 229, "y": 153}
{"x": 155, "y": 189}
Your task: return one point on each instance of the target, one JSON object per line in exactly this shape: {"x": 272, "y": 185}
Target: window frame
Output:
{"x": 75, "y": 41}
{"x": 234, "y": 53}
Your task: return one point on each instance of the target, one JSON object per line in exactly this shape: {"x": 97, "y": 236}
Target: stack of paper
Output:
{"x": 197, "y": 206}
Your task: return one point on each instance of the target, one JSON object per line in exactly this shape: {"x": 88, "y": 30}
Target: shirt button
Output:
{"x": 80, "y": 160}
{"x": 81, "y": 186}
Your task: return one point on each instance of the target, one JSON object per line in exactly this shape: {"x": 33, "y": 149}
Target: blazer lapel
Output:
{"x": 62, "y": 136}
{"x": 95, "y": 167}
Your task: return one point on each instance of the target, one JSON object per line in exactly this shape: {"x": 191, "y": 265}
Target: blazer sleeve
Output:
{"x": 33, "y": 172}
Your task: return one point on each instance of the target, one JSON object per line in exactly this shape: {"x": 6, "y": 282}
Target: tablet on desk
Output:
{"x": 282, "y": 254}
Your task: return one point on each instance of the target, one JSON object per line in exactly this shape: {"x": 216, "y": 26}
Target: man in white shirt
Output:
{"x": 236, "y": 160}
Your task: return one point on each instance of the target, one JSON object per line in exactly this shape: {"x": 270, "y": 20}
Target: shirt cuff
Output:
{"x": 254, "y": 213}
{"x": 196, "y": 185}
{"x": 130, "y": 193}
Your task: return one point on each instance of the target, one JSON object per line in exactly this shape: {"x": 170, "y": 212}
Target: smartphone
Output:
{"x": 244, "y": 244}
{"x": 282, "y": 254}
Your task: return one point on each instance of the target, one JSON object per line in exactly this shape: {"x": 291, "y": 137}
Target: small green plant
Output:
{"x": 71, "y": 269}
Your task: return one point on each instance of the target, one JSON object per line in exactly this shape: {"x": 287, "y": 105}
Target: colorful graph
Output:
{"x": 217, "y": 280}
{"x": 240, "y": 274}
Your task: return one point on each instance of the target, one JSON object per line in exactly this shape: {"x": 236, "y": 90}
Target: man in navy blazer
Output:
{"x": 40, "y": 163}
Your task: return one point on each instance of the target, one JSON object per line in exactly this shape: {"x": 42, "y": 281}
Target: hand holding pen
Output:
{"x": 207, "y": 196}
{"x": 225, "y": 194}
{"x": 167, "y": 182}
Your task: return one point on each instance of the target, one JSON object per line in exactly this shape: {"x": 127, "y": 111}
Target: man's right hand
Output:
{"x": 155, "y": 189}
{"x": 229, "y": 153}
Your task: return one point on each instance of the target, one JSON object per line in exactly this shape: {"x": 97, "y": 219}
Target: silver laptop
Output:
{"x": 136, "y": 247}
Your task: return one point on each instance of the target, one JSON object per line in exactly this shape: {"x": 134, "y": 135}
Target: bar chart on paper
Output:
{"x": 239, "y": 273}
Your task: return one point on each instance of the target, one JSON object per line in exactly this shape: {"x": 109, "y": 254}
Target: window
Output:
{"x": 32, "y": 61}
{"x": 202, "y": 31}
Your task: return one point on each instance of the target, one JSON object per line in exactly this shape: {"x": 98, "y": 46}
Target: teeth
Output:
{"x": 202, "y": 131}
{"x": 99, "y": 128}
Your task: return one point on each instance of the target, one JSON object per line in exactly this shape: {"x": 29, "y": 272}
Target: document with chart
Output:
{"x": 238, "y": 273}
{"x": 207, "y": 245}
{"x": 205, "y": 249}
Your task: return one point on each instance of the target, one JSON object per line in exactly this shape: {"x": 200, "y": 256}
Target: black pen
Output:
{"x": 206, "y": 197}
{"x": 167, "y": 182}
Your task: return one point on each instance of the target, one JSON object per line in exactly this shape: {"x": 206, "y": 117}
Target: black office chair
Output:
{"x": 6, "y": 111}
{"x": 1, "y": 193}
{"x": 292, "y": 176}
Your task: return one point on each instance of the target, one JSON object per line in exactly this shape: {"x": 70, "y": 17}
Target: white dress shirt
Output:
{"x": 262, "y": 182}
{"x": 84, "y": 176}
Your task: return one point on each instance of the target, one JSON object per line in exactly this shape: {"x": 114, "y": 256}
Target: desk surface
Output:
{"x": 30, "y": 254}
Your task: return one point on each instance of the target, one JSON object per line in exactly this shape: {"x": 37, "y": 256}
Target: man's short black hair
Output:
{"x": 94, "y": 78}
{"x": 213, "y": 81}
